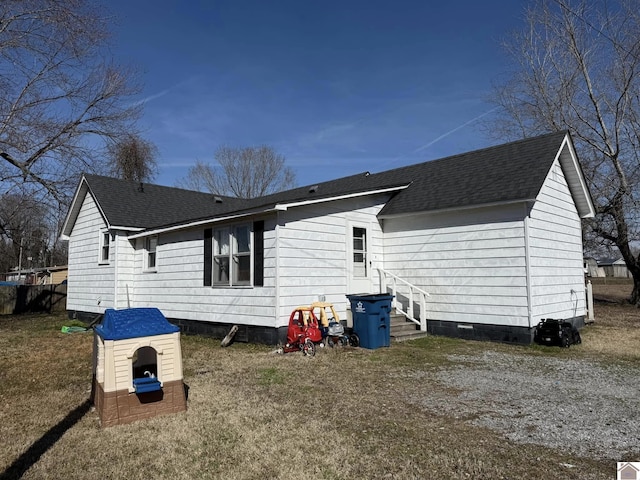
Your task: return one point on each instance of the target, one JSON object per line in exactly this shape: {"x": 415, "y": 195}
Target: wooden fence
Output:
{"x": 33, "y": 299}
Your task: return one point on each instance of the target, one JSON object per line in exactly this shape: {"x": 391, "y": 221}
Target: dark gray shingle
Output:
{"x": 504, "y": 173}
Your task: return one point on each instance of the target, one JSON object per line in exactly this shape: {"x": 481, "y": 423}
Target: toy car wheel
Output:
{"x": 565, "y": 341}
{"x": 344, "y": 341}
{"x": 354, "y": 340}
{"x": 309, "y": 348}
{"x": 330, "y": 342}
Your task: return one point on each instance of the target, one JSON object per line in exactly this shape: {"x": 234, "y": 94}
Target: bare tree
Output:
{"x": 201, "y": 177}
{"x": 577, "y": 68}
{"x": 60, "y": 98}
{"x": 133, "y": 158}
{"x": 248, "y": 172}
{"x": 25, "y": 232}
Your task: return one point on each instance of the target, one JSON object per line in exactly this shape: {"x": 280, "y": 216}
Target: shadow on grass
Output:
{"x": 29, "y": 458}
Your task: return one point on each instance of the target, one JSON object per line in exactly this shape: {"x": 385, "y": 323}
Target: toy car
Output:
{"x": 303, "y": 332}
{"x": 330, "y": 326}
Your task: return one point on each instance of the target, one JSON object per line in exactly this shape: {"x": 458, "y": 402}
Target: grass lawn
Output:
{"x": 344, "y": 414}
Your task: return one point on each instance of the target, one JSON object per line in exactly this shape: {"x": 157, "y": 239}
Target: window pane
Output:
{"x": 221, "y": 270}
{"x": 242, "y": 239}
{"x": 242, "y": 269}
{"x": 222, "y": 241}
{"x": 152, "y": 260}
{"x": 359, "y": 238}
{"x": 105, "y": 246}
{"x": 359, "y": 252}
{"x": 360, "y": 270}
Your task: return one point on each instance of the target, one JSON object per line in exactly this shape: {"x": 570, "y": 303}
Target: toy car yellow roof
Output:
{"x": 323, "y": 314}
{"x": 321, "y": 304}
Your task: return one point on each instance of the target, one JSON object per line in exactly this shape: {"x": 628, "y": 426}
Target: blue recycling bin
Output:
{"x": 372, "y": 319}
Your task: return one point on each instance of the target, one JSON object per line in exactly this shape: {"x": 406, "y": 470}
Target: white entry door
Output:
{"x": 359, "y": 261}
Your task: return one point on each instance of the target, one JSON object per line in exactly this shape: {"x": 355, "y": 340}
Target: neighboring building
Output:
{"x": 613, "y": 267}
{"x": 494, "y": 236}
{"x": 38, "y": 276}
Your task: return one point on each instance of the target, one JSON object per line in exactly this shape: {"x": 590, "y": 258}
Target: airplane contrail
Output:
{"x": 444, "y": 135}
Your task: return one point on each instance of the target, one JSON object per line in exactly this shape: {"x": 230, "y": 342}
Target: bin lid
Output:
{"x": 133, "y": 323}
{"x": 370, "y": 297}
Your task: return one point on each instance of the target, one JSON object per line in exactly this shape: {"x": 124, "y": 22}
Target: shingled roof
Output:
{"x": 507, "y": 173}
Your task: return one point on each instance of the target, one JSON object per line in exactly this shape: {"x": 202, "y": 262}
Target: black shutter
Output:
{"x": 208, "y": 256}
{"x": 258, "y": 253}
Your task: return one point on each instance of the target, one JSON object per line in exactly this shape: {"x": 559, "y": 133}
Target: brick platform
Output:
{"x": 116, "y": 408}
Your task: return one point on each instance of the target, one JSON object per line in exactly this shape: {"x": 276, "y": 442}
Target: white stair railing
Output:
{"x": 412, "y": 293}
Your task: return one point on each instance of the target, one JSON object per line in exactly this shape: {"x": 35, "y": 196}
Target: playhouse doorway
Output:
{"x": 145, "y": 363}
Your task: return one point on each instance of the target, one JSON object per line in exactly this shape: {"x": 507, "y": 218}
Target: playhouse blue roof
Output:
{"x": 133, "y": 323}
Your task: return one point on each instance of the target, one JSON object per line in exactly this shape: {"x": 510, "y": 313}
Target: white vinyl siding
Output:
{"x": 177, "y": 288}
{"x": 555, "y": 246}
{"x": 125, "y": 265}
{"x": 472, "y": 263}
{"x": 313, "y": 255}
{"x": 90, "y": 286}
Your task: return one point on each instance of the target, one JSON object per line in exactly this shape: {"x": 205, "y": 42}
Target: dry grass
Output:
{"x": 255, "y": 415}
{"x": 615, "y": 334}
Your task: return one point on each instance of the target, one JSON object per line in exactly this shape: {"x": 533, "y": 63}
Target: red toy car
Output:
{"x": 303, "y": 332}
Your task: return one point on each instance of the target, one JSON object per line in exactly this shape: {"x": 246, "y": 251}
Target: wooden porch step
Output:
{"x": 403, "y": 329}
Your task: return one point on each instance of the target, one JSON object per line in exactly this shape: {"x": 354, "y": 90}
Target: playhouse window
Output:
{"x": 105, "y": 240}
{"x": 232, "y": 255}
{"x": 150, "y": 245}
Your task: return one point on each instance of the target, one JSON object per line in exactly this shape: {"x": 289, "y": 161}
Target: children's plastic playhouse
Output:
{"x": 137, "y": 366}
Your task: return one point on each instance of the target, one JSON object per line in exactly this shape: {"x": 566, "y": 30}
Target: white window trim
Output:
{"x": 231, "y": 254}
{"x": 153, "y": 240}
{"x": 101, "y": 260}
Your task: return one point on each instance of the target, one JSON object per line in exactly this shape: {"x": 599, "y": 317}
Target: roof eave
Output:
{"x": 198, "y": 223}
{"x": 286, "y": 206}
{"x": 261, "y": 211}
{"x": 76, "y": 205}
{"x": 575, "y": 178}
{"x": 457, "y": 209}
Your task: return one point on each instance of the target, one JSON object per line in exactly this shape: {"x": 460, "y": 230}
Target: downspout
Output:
{"x": 277, "y": 272}
{"x": 527, "y": 263}
{"x": 115, "y": 269}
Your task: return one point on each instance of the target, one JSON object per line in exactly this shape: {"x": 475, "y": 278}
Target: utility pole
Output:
{"x": 20, "y": 260}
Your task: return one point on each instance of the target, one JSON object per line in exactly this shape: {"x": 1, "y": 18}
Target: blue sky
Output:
{"x": 337, "y": 87}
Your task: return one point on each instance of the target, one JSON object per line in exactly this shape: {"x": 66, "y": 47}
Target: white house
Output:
{"x": 492, "y": 236}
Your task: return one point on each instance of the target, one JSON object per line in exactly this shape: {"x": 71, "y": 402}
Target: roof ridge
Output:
{"x": 477, "y": 151}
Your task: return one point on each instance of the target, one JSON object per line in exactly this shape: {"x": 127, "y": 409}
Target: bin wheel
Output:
{"x": 354, "y": 340}
{"x": 309, "y": 348}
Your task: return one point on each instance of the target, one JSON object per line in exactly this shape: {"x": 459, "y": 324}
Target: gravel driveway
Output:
{"x": 581, "y": 406}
